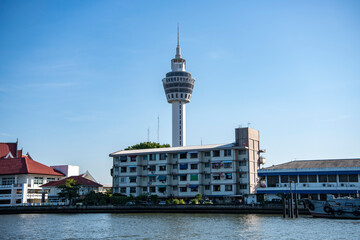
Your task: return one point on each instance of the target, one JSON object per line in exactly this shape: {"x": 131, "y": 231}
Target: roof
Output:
{"x": 325, "y": 163}
{"x": 79, "y": 179}
{"x": 175, "y": 149}
{"x": 5, "y": 148}
{"x": 25, "y": 165}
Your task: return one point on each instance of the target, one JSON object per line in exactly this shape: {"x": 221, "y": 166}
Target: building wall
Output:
{"x": 218, "y": 172}
{"x": 22, "y": 188}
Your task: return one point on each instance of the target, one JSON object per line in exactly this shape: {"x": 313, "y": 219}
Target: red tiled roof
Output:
{"x": 5, "y": 148}
{"x": 79, "y": 179}
{"x": 25, "y": 165}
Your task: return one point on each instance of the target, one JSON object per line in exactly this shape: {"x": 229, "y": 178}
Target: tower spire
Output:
{"x": 178, "y": 50}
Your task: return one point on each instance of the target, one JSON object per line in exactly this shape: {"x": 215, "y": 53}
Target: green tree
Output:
{"x": 145, "y": 145}
{"x": 69, "y": 190}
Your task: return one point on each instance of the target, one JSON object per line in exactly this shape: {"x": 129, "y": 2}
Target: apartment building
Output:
{"x": 216, "y": 171}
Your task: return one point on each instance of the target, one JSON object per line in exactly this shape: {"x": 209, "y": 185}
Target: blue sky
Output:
{"x": 82, "y": 79}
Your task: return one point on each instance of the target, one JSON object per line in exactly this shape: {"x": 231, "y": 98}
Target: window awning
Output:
{"x": 151, "y": 175}
{"x": 182, "y": 175}
{"x": 162, "y": 177}
{"x": 193, "y": 186}
{"x": 227, "y": 161}
{"x": 162, "y": 186}
{"x": 229, "y": 174}
{"x": 132, "y": 177}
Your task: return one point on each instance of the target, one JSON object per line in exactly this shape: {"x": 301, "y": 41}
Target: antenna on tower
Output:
{"x": 158, "y": 130}
{"x": 178, "y": 39}
{"x": 148, "y": 132}
{"x": 248, "y": 124}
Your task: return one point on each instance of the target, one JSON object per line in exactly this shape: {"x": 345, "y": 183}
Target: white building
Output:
{"x": 21, "y": 177}
{"x": 216, "y": 171}
{"x": 178, "y": 86}
{"x": 311, "y": 178}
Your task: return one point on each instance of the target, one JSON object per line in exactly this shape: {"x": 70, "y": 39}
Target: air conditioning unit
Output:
{"x": 278, "y": 185}
{"x": 304, "y": 185}
{"x": 285, "y": 185}
{"x": 352, "y": 185}
{"x": 342, "y": 185}
{"x": 324, "y": 185}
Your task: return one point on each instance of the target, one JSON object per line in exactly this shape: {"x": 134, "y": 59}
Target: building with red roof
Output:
{"x": 86, "y": 184}
{"x": 21, "y": 177}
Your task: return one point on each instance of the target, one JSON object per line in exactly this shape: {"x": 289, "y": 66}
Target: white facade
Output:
{"x": 23, "y": 188}
{"x": 213, "y": 170}
{"x": 68, "y": 170}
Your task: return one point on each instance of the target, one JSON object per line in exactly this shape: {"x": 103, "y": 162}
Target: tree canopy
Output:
{"x": 69, "y": 190}
{"x": 145, "y": 145}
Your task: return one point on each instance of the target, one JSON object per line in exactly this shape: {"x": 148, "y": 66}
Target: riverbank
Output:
{"x": 238, "y": 209}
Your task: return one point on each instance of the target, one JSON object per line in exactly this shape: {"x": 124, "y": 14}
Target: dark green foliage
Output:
{"x": 145, "y": 145}
{"x": 69, "y": 190}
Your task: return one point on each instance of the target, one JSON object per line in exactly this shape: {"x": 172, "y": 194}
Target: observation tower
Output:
{"x": 178, "y": 86}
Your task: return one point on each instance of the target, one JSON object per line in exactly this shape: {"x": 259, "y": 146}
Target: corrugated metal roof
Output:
{"x": 324, "y": 163}
{"x": 173, "y": 149}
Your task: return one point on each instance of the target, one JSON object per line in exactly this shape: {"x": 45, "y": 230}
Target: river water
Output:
{"x": 173, "y": 226}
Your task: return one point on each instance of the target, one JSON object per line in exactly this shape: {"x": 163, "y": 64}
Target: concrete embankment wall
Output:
{"x": 226, "y": 209}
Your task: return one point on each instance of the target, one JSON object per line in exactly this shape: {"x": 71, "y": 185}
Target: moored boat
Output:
{"x": 344, "y": 207}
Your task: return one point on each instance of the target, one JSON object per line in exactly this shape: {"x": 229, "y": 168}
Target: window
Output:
{"x": 123, "y": 169}
{"x": 183, "y": 166}
{"x": 207, "y": 187}
{"x": 216, "y": 177}
{"x": 194, "y": 177}
{"x": 144, "y": 168}
{"x": 183, "y": 177}
{"x": 132, "y": 179}
{"x": 228, "y": 175}
{"x": 152, "y": 178}
{"x": 162, "y": 189}
{"x": 272, "y": 181}
{"x": 133, "y": 158}
{"x": 302, "y": 178}
{"x": 132, "y": 169}
{"x": 322, "y": 178}
{"x": 152, "y": 189}
{"x": 193, "y": 155}
{"x": 162, "y": 168}
{"x": 8, "y": 180}
{"x": 152, "y": 157}
{"x": 353, "y": 178}
{"x": 227, "y": 152}
{"x": 228, "y": 188}
{"x": 50, "y": 179}
{"x": 207, "y": 176}
{"x": 207, "y": 165}
{"x": 216, "y": 153}
{"x": 293, "y": 179}
{"x": 175, "y": 188}
{"x": 194, "y": 189}
{"x": 228, "y": 165}
{"x": 216, "y": 165}
{"x": 152, "y": 168}
{"x": 183, "y": 155}
{"x": 243, "y": 186}
{"x": 175, "y": 166}
{"x": 312, "y": 178}
{"x": 242, "y": 152}
{"x": 145, "y": 157}
{"x": 144, "y": 189}
{"x": 216, "y": 188}
{"x": 132, "y": 189}
{"x": 38, "y": 180}
{"x": 242, "y": 163}
{"x": 122, "y": 179}
{"x": 123, "y": 190}
{"x": 207, "y": 154}
{"x": 162, "y": 156}
{"x": 284, "y": 179}
{"x": 332, "y": 178}
{"x": 123, "y": 158}
{"x": 174, "y": 177}
{"x": 183, "y": 189}
{"x": 175, "y": 155}
{"x": 343, "y": 178}
{"x": 194, "y": 166}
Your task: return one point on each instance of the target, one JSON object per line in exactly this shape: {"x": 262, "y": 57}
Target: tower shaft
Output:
{"x": 178, "y": 124}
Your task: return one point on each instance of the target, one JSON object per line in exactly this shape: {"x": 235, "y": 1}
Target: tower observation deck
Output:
{"x": 178, "y": 86}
